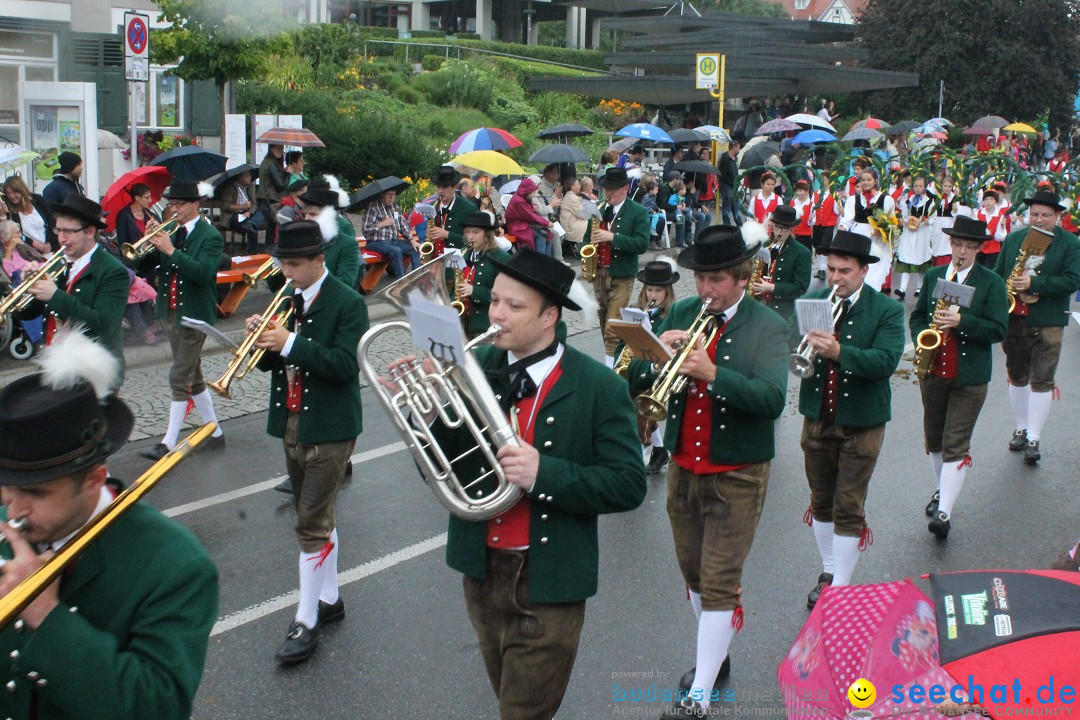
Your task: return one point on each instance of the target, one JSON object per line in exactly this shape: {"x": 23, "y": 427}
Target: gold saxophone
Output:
{"x": 756, "y": 276}
{"x": 588, "y": 257}
{"x": 460, "y": 304}
{"x": 930, "y": 339}
{"x": 427, "y": 252}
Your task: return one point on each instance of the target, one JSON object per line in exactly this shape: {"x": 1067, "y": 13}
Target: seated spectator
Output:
{"x": 520, "y": 217}
{"x": 292, "y": 207}
{"x": 656, "y": 215}
{"x": 238, "y": 202}
{"x": 587, "y": 189}
{"x": 571, "y": 215}
{"x": 31, "y": 213}
{"x": 388, "y": 233}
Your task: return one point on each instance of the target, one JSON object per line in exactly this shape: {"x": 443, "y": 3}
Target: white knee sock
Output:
{"x": 1038, "y": 410}
{"x": 311, "y": 583}
{"x": 952, "y": 479}
{"x": 177, "y": 409}
{"x": 903, "y": 281}
{"x": 329, "y": 592}
{"x": 695, "y": 603}
{"x": 205, "y": 405}
{"x": 1018, "y": 398}
{"x": 656, "y": 439}
{"x": 935, "y": 464}
{"x": 713, "y": 638}
{"x": 823, "y": 533}
{"x": 845, "y": 557}
{"x": 918, "y": 281}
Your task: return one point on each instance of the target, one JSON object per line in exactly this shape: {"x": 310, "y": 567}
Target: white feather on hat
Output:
{"x": 335, "y": 186}
{"x": 72, "y": 358}
{"x": 669, "y": 260}
{"x": 205, "y": 189}
{"x": 327, "y": 221}
{"x": 754, "y": 232}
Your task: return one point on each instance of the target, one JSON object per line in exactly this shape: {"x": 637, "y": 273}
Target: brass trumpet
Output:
{"x": 20, "y": 297}
{"x": 25, "y": 592}
{"x": 246, "y": 354}
{"x": 801, "y": 362}
{"x": 265, "y": 271}
{"x": 142, "y": 246}
{"x": 653, "y": 404}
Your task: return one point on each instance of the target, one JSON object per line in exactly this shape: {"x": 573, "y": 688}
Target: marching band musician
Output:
{"x": 528, "y": 572}
{"x": 187, "y": 264}
{"x": 95, "y": 286}
{"x": 721, "y": 437}
{"x": 788, "y": 275}
{"x": 621, "y": 237}
{"x": 846, "y": 404}
{"x": 1033, "y": 343}
{"x": 445, "y": 230}
{"x": 858, "y": 209}
{"x": 342, "y": 254}
{"x": 122, "y": 635}
{"x": 479, "y": 231}
{"x": 315, "y": 410}
{"x": 954, "y": 391}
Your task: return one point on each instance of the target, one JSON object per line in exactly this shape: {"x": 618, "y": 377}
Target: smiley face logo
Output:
{"x": 862, "y": 693}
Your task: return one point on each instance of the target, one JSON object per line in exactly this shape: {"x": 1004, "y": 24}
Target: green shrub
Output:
{"x": 432, "y": 62}
{"x": 457, "y": 83}
{"x": 507, "y": 112}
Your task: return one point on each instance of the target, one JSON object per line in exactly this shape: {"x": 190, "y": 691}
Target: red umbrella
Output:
{"x": 1018, "y": 631}
{"x": 297, "y": 137}
{"x": 872, "y": 123}
{"x": 117, "y": 197}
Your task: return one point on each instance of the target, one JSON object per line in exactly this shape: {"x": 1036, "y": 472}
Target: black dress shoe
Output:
{"x": 285, "y": 486}
{"x": 940, "y": 526}
{"x": 687, "y": 680}
{"x": 900, "y": 295}
{"x": 214, "y": 443}
{"x": 348, "y": 469}
{"x": 331, "y": 612}
{"x": 156, "y": 452}
{"x": 657, "y": 460}
{"x": 931, "y": 507}
{"x": 1031, "y": 453}
{"x": 1018, "y": 441}
{"x": 823, "y": 581}
{"x": 298, "y": 645}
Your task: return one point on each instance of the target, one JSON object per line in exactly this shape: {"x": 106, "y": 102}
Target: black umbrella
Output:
{"x": 686, "y": 135}
{"x": 230, "y": 174}
{"x": 758, "y": 154}
{"x": 191, "y": 162}
{"x": 904, "y": 126}
{"x": 373, "y": 190}
{"x": 695, "y": 167}
{"x": 559, "y": 154}
{"x": 566, "y": 130}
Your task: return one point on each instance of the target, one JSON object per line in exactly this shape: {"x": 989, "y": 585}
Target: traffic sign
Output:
{"x": 136, "y": 47}
{"x": 707, "y": 71}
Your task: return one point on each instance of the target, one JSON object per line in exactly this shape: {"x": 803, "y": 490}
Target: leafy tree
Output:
{"x": 1012, "y": 58}
{"x": 219, "y": 40}
{"x": 760, "y": 8}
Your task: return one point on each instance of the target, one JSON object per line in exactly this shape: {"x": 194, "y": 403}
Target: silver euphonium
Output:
{"x": 801, "y": 362}
{"x": 459, "y": 394}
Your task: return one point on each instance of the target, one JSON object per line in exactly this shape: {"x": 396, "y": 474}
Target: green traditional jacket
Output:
{"x": 590, "y": 463}
{"x": 982, "y": 324}
{"x": 483, "y": 279}
{"x": 631, "y": 230}
{"x": 196, "y": 266}
{"x": 324, "y": 355}
{"x": 343, "y": 256}
{"x": 97, "y": 301}
{"x": 128, "y": 640}
{"x": 459, "y": 210}
{"x": 750, "y": 387}
{"x": 791, "y": 277}
{"x": 1055, "y": 280}
{"x": 871, "y": 344}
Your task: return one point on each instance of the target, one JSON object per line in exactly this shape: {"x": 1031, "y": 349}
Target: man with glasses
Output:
{"x": 93, "y": 292}
{"x": 187, "y": 264}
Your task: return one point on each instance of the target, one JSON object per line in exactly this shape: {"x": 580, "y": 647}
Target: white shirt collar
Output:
{"x": 313, "y": 289}
{"x": 854, "y": 297}
{"x": 961, "y": 277}
{"x": 616, "y": 208}
{"x": 730, "y": 312}
{"x": 79, "y": 265}
{"x": 539, "y": 370}
{"x": 104, "y": 500}
{"x": 448, "y": 205}
{"x": 190, "y": 226}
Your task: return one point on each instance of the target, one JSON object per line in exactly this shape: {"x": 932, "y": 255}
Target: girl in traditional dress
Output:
{"x": 857, "y": 213}
{"x": 946, "y": 210}
{"x": 913, "y": 248}
{"x": 765, "y": 202}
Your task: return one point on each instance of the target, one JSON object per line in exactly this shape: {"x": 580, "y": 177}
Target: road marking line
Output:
{"x": 281, "y": 602}
{"x": 269, "y": 484}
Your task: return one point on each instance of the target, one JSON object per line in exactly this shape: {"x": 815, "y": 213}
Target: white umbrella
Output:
{"x": 109, "y": 141}
{"x": 812, "y": 121}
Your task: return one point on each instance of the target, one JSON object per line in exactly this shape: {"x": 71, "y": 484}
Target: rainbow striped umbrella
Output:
{"x": 484, "y": 139}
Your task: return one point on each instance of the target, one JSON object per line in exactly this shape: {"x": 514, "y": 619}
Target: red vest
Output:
{"x": 763, "y": 209}
{"x": 826, "y": 212}
{"x": 805, "y": 210}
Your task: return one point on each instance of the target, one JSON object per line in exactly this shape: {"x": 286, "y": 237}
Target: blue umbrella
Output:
{"x": 809, "y": 137}
{"x": 191, "y": 162}
{"x": 645, "y": 131}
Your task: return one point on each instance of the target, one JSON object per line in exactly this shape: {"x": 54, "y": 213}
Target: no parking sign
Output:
{"x": 136, "y": 47}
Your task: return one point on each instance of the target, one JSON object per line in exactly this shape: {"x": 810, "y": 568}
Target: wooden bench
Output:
{"x": 376, "y": 266}
{"x": 234, "y": 278}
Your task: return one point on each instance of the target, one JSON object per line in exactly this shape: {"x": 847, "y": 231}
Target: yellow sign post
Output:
{"x": 717, "y": 91}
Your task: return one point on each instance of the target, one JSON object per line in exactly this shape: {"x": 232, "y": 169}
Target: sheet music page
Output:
{"x": 436, "y": 329}
{"x": 814, "y": 315}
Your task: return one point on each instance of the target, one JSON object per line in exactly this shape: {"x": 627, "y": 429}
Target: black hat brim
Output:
{"x": 120, "y": 422}
{"x": 868, "y": 259}
{"x": 307, "y": 251}
{"x": 965, "y": 236}
{"x": 612, "y": 185}
{"x": 537, "y": 284}
{"x": 1038, "y": 201}
{"x": 670, "y": 281}
{"x": 61, "y": 210}
{"x": 685, "y": 259}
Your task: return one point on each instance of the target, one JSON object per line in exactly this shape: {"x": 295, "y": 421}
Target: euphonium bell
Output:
{"x": 142, "y": 246}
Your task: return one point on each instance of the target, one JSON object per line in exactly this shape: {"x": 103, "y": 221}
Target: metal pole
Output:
{"x": 940, "y": 98}
{"x": 134, "y": 126}
{"x": 720, "y": 123}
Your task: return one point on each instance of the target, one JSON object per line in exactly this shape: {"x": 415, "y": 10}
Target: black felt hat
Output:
{"x": 479, "y": 220}
{"x": 80, "y": 208}
{"x": 445, "y": 175}
{"x": 658, "y": 272}
{"x": 319, "y": 196}
{"x": 300, "y": 238}
{"x": 188, "y": 190}
{"x": 613, "y": 178}
{"x": 718, "y": 247}
{"x": 542, "y": 273}
{"x": 966, "y": 228}
{"x": 845, "y": 242}
{"x": 784, "y": 216}
{"x": 1045, "y": 198}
